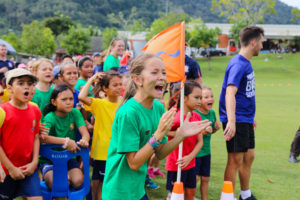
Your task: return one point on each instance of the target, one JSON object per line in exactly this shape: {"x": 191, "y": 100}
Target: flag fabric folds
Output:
{"x": 169, "y": 46}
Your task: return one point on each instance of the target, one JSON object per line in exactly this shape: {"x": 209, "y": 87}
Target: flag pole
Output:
{"x": 181, "y": 123}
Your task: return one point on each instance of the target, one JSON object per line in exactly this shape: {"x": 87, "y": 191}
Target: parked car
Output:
{"x": 212, "y": 52}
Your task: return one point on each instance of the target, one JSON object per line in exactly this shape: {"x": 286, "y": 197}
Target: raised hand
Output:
{"x": 192, "y": 128}
{"x": 166, "y": 121}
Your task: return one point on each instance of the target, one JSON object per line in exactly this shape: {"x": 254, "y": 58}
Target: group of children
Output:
{"x": 127, "y": 126}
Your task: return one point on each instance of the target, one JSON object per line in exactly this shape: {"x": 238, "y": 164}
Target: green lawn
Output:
{"x": 278, "y": 118}
{"x": 278, "y": 115}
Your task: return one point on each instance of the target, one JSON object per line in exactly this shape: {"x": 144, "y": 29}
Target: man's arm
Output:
{"x": 3, "y": 69}
{"x": 229, "y": 131}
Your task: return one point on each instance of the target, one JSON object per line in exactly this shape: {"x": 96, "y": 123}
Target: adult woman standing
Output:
{"x": 116, "y": 49}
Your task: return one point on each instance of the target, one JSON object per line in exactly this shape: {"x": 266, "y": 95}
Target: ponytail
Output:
{"x": 129, "y": 92}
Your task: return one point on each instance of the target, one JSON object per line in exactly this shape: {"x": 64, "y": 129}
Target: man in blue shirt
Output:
{"x": 237, "y": 110}
{"x": 5, "y": 64}
{"x": 192, "y": 70}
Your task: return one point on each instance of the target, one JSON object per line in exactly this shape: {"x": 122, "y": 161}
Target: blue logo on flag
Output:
{"x": 177, "y": 53}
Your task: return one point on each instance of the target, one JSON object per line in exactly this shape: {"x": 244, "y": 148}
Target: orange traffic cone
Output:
{"x": 177, "y": 193}
{"x": 227, "y": 191}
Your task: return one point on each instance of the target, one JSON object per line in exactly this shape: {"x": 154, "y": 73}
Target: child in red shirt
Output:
{"x": 19, "y": 139}
{"x": 191, "y": 145}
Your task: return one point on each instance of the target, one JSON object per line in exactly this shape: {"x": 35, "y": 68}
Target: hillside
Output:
{"x": 14, "y": 13}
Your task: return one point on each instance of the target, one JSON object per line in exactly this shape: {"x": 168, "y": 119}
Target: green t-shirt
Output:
{"x": 132, "y": 128}
{"x": 42, "y": 99}
{"x": 82, "y": 82}
{"x": 64, "y": 126}
{"x": 211, "y": 116}
{"x": 111, "y": 62}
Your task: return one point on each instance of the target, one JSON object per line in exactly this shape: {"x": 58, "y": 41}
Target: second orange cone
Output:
{"x": 227, "y": 191}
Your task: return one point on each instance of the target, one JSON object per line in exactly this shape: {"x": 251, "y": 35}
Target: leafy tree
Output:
{"x": 58, "y": 24}
{"x": 93, "y": 31}
{"x": 165, "y": 21}
{"x": 12, "y": 39}
{"x": 201, "y": 36}
{"x": 296, "y": 14}
{"x": 37, "y": 39}
{"x": 107, "y": 35}
{"x": 76, "y": 41}
{"x": 251, "y": 11}
{"x": 235, "y": 30}
{"x": 128, "y": 23}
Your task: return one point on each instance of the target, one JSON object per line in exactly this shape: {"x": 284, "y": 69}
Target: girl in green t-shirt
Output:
{"x": 42, "y": 69}
{"x": 203, "y": 158}
{"x": 139, "y": 130}
{"x": 85, "y": 67}
{"x": 62, "y": 120}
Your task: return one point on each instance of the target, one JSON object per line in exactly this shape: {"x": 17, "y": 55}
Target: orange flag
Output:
{"x": 169, "y": 46}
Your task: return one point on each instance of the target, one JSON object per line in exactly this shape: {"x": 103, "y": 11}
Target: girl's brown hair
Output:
{"x": 137, "y": 65}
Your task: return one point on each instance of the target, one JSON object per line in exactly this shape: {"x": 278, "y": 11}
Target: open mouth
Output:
{"x": 26, "y": 94}
{"x": 159, "y": 88}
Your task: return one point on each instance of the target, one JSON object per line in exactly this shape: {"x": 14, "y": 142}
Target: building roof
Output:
{"x": 272, "y": 31}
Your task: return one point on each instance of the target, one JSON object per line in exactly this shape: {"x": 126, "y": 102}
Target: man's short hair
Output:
{"x": 249, "y": 33}
{"x": 2, "y": 45}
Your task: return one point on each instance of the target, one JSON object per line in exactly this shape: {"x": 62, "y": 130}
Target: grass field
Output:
{"x": 278, "y": 117}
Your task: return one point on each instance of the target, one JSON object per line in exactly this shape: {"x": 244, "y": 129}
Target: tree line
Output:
{"x": 42, "y": 37}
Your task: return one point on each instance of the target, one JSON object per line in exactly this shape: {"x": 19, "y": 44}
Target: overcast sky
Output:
{"x": 294, "y": 3}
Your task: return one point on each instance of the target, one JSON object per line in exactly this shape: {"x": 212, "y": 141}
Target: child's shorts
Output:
{"x": 28, "y": 187}
{"x": 72, "y": 163}
{"x": 188, "y": 178}
{"x": 98, "y": 170}
{"x": 203, "y": 165}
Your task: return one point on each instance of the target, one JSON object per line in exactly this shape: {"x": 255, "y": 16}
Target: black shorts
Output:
{"x": 243, "y": 140}
{"x": 28, "y": 187}
{"x": 98, "y": 170}
{"x": 188, "y": 178}
{"x": 203, "y": 165}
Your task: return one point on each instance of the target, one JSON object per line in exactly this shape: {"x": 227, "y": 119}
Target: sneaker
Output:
{"x": 159, "y": 173}
{"x": 151, "y": 173}
{"x": 252, "y": 197}
{"x": 150, "y": 184}
{"x": 293, "y": 159}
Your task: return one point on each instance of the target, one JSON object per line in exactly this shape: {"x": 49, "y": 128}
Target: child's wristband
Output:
{"x": 153, "y": 143}
{"x": 156, "y": 139}
{"x": 66, "y": 143}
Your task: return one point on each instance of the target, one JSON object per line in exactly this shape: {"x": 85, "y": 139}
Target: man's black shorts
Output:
{"x": 243, "y": 140}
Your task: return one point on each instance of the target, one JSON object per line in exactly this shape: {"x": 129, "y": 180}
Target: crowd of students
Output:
{"x": 117, "y": 112}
